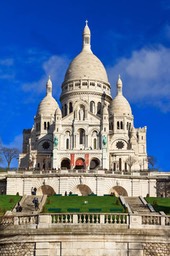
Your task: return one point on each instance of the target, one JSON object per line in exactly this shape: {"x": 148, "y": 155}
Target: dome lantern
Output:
{"x": 86, "y": 38}
{"x": 49, "y": 87}
{"x": 119, "y": 86}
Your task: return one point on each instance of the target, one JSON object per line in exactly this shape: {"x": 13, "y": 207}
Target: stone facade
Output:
{"x": 92, "y": 130}
{"x": 81, "y": 184}
{"x": 84, "y": 239}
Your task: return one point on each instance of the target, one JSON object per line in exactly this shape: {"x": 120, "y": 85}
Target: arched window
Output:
{"x": 67, "y": 143}
{"x": 121, "y": 125}
{"x": 120, "y": 164}
{"x": 48, "y": 125}
{"x": 81, "y": 136}
{"x": 118, "y": 127}
{"x": 45, "y": 126}
{"x": 95, "y": 139}
{"x": 99, "y": 108}
{"x": 70, "y": 107}
{"x": 67, "y": 139}
{"x": 65, "y": 109}
{"x": 86, "y": 40}
{"x": 111, "y": 126}
{"x": 127, "y": 126}
{"x": 125, "y": 166}
{"x": 92, "y": 106}
{"x": 95, "y": 143}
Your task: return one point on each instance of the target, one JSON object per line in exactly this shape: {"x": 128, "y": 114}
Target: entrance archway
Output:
{"x": 80, "y": 163}
{"x": 46, "y": 190}
{"x": 65, "y": 164}
{"x": 119, "y": 191}
{"x": 94, "y": 163}
{"x": 83, "y": 190}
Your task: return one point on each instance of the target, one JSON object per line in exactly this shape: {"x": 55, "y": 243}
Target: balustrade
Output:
{"x": 86, "y": 218}
{"x": 167, "y": 220}
{"x": 151, "y": 219}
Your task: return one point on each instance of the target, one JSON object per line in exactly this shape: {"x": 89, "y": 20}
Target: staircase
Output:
{"x": 136, "y": 205}
{"x": 28, "y": 205}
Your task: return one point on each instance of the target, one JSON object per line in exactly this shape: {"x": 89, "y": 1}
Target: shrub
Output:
{"x": 117, "y": 202}
{"x": 155, "y": 203}
{"x": 11, "y": 200}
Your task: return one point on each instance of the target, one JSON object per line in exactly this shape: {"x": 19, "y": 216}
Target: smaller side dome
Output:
{"x": 48, "y": 105}
{"x": 120, "y": 105}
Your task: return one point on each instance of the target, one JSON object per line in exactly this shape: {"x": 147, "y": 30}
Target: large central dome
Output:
{"x": 86, "y": 65}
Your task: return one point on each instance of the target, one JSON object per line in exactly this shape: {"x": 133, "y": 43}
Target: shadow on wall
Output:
{"x": 46, "y": 190}
{"x": 82, "y": 190}
{"x": 118, "y": 191}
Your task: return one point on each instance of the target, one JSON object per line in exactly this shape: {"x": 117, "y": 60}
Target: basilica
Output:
{"x": 91, "y": 130}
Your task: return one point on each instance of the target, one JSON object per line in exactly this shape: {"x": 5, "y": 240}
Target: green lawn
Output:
{"x": 7, "y": 202}
{"x": 159, "y": 203}
{"x": 83, "y": 204}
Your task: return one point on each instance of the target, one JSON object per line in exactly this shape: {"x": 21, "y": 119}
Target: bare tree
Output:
{"x": 130, "y": 162}
{"x": 9, "y": 154}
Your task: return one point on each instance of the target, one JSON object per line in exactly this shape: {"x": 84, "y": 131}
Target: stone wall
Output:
{"x": 17, "y": 249}
{"x": 90, "y": 245}
{"x": 98, "y": 184}
{"x": 84, "y": 240}
{"x": 157, "y": 249}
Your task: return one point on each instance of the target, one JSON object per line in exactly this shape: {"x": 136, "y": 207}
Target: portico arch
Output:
{"x": 119, "y": 191}
{"x": 45, "y": 190}
{"x": 80, "y": 163}
{"x": 94, "y": 163}
{"x": 65, "y": 164}
{"x": 82, "y": 190}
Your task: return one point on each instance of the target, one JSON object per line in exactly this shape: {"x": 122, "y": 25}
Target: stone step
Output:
{"x": 28, "y": 207}
{"x": 136, "y": 205}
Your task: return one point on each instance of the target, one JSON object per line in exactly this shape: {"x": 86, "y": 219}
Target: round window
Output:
{"x": 46, "y": 145}
{"x": 120, "y": 144}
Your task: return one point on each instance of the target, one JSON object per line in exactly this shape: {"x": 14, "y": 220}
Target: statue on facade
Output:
{"x": 104, "y": 140}
{"x": 55, "y": 141}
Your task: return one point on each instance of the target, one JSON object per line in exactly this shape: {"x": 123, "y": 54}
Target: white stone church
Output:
{"x": 92, "y": 130}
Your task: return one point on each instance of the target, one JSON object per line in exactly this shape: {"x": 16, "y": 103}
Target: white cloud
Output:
{"x": 55, "y": 67}
{"x": 146, "y": 77}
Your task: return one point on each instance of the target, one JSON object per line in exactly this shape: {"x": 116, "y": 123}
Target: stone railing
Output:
{"x": 84, "y": 171}
{"x": 51, "y": 220}
{"x": 12, "y": 220}
{"x": 86, "y": 218}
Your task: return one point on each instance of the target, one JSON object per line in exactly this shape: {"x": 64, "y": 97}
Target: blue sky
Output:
{"x": 132, "y": 38}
